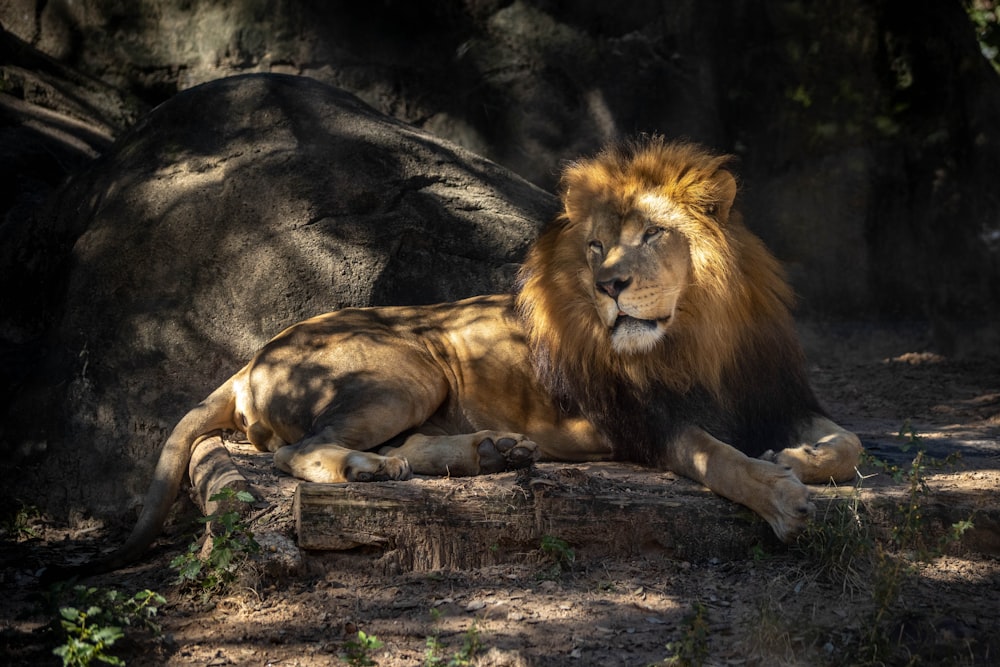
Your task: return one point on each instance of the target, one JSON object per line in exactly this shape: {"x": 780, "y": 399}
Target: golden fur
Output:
{"x": 649, "y": 325}
{"x": 734, "y": 280}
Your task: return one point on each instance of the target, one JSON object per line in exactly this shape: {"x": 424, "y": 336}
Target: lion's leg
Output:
{"x": 466, "y": 454}
{"x": 373, "y": 413}
{"x": 315, "y": 460}
{"x": 826, "y": 452}
{"x": 771, "y": 490}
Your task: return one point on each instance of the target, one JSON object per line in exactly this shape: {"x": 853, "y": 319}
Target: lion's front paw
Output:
{"x": 793, "y": 508}
{"x": 380, "y": 469}
{"x": 505, "y": 452}
{"x": 786, "y": 506}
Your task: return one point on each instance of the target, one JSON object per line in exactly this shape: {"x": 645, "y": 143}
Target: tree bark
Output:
{"x": 599, "y": 509}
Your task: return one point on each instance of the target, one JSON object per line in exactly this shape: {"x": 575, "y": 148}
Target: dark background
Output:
{"x": 867, "y": 132}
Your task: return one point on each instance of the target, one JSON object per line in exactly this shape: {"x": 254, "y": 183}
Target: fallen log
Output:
{"x": 598, "y": 510}
{"x": 211, "y": 470}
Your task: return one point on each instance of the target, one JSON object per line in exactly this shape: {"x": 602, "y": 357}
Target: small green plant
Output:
{"x": 909, "y": 532}
{"x": 880, "y": 564}
{"x": 472, "y": 644}
{"x": 90, "y": 632}
{"x": 18, "y": 526}
{"x": 357, "y": 652}
{"x": 691, "y": 650}
{"x": 232, "y": 544}
{"x": 757, "y": 552}
{"x": 841, "y": 543}
{"x": 558, "y": 552}
{"x": 87, "y": 640}
{"x": 915, "y": 471}
{"x": 432, "y": 654}
{"x": 898, "y": 557}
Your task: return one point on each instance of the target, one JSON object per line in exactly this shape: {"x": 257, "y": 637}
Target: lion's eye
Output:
{"x": 596, "y": 247}
{"x": 651, "y": 234}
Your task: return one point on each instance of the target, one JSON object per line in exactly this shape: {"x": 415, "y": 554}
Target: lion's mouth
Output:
{"x": 634, "y": 335}
{"x": 631, "y": 335}
{"x": 628, "y": 324}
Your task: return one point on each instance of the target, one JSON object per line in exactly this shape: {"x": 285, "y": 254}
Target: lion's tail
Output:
{"x": 215, "y": 413}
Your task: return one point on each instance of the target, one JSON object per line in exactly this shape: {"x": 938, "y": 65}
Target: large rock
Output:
{"x": 234, "y": 210}
{"x": 866, "y": 131}
{"x": 53, "y": 122}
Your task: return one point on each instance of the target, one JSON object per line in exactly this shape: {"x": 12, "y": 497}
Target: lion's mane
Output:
{"x": 730, "y": 363}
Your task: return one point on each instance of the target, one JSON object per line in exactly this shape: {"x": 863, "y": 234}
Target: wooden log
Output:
{"x": 599, "y": 510}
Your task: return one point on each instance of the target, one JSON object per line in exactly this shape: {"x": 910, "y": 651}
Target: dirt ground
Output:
{"x": 771, "y": 606}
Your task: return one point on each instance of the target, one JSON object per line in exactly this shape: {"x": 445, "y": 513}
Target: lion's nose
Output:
{"x": 614, "y": 287}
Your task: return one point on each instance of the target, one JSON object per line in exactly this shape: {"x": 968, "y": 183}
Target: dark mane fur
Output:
{"x": 765, "y": 398}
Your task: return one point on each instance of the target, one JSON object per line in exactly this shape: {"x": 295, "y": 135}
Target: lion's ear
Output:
{"x": 725, "y": 194}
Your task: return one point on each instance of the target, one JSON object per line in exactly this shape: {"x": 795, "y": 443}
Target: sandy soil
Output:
{"x": 773, "y": 606}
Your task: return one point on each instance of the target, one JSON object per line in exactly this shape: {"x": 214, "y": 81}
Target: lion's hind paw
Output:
{"x": 505, "y": 452}
{"x": 384, "y": 470}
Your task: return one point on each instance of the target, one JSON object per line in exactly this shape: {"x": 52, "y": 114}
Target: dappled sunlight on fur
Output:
{"x": 649, "y": 325}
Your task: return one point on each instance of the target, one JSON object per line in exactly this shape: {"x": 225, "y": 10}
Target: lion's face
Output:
{"x": 639, "y": 267}
{"x": 648, "y": 250}
{"x": 653, "y": 223}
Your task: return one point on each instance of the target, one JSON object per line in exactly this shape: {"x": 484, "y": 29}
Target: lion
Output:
{"x": 648, "y": 324}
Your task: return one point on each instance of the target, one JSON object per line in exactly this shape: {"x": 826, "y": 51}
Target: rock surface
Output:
{"x": 230, "y": 212}
{"x": 865, "y": 132}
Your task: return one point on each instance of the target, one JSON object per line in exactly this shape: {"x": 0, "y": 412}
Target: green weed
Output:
{"x": 432, "y": 654}
{"x": 558, "y": 552}
{"x": 357, "y": 652}
{"x": 691, "y": 650}
{"x": 232, "y": 544}
{"x": 87, "y": 640}
{"x": 95, "y": 623}
{"x": 472, "y": 645}
{"x": 848, "y": 548}
{"x": 897, "y": 558}
{"x": 19, "y": 526}
{"x": 841, "y": 543}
